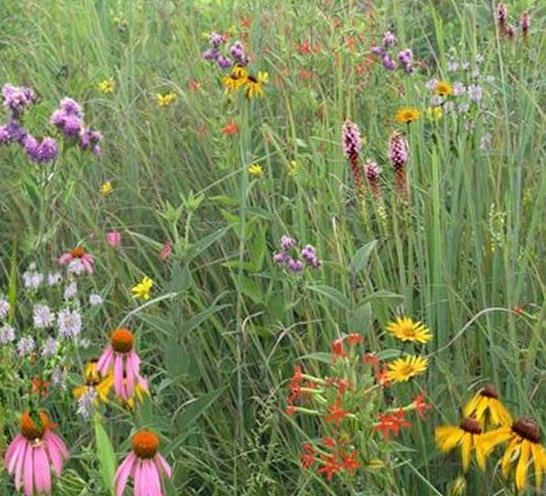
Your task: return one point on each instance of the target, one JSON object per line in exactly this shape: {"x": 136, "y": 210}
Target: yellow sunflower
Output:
{"x": 405, "y": 329}
{"x": 406, "y": 115}
{"x": 403, "y": 369}
{"x": 93, "y": 380}
{"x": 468, "y": 435}
{"x": 255, "y": 85}
{"x": 443, "y": 88}
{"x": 523, "y": 438}
{"x": 487, "y": 408}
{"x": 236, "y": 79}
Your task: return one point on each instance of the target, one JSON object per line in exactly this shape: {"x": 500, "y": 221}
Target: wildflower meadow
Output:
{"x": 257, "y": 247}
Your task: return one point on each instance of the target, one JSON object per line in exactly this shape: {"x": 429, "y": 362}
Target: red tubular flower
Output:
{"x": 331, "y": 466}
{"x": 355, "y": 338}
{"x": 338, "y": 350}
{"x": 370, "y": 359}
{"x": 421, "y": 406}
{"x": 308, "y": 455}
{"x": 350, "y": 462}
{"x": 391, "y": 422}
{"x": 337, "y": 414}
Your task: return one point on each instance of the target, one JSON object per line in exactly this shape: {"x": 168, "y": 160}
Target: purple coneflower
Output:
{"x": 78, "y": 261}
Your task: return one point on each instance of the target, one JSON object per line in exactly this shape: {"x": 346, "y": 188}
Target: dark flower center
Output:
{"x": 470, "y": 424}
{"x": 527, "y": 429}
{"x": 489, "y": 392}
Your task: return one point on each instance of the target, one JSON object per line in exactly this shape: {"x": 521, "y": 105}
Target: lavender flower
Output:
{"x": 95, "y": 300}
{"x": 71, "y": 290}
{"x": 25, "y": 345}
{"x": 223, "y": 62}
{"x": 295, "y": 265}
{"x": 17, "y": 99}
{"x": 7, "y": 334}
{"x": 475, "y": 93}
{"x": 86, "y": 402}
{"x": 69, "y": 323}
{"x": 389, "y": 39}
{"x": 90, "y": 139}
{"x": 12, "y": 132}
{"x": 458, "y": 88}
{"x": 310, "y": 256}
{"x": 4, "y": 308}
{"x": 525, "y": 24}
{"x": 50, "y": 347}
{"x": 406, "y": 59}
{"x": 42, "y": 316}
{"x": 31, "y": 278}
{"x": 379, "y": 50}
{"x": 210, "y": 54}
{"x": 216, "y": 39}
{"x": 287, "y": 242}
{"x": 388, "y": 63}
{"x": 41, "y": 152}
{"x": 281, "y": 257}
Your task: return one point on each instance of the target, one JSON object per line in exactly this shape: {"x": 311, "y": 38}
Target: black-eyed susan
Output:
{"x": 255, "y": 85}
{"x": 94, "y": 381}
{"x": 486, "y": 407}
{"x": 236, "y": 79}
{"x": 407, "y": 115}
{"x": 468, "y": 435}
{"x": 404, "y": 368}
{"x": 523, "y": 438}
{"x": 406, "y": 329}
{"x": 443, "y": 88}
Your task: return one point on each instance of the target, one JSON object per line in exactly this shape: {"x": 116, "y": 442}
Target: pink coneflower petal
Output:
{"x": 28, "y": 470}
{"x": 105, "y": 361}
{"x": 56, "y": 451}
{"x": 123, "y": 473}
{"x": 162, "y": 463}
{"x": 13, "y": 452}
{"x": 19, "y": 466}
{"x": 154, "y": 479}
{"x": 119, "y": 387}
{"x": 42, "y": 474}
{"x": 137, "y": 476}
{"x": 65, "y": 258}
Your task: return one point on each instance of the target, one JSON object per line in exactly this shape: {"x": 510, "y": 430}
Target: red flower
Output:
{"x": 329, "y": 442}
{"x": 421, "y": 406}
{"x": 370, "y": 359}
{"x": 231, "y": 128}
{"x": 295, "y": 384}
{"x": 338, "y": 351}
{"x": 331, "y": 466}
{"x": 39, "y": 386}
{"x": 308, "y": 456}
{"x": 355, "y": 338}
{"x": 391, "y": 422}
{"x": 166, "y": 251}
{"x": 290, "y": 410}
{"x": 350, "y": 462}
{"x": 343, "y": 385}
{"x": 337, "y": 414}
{"x": 194, "y": 85}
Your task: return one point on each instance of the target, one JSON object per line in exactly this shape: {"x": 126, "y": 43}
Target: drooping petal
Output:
{"x": 478, "y": 451}
{"x": 56, "y": 451}
{"x": 523, "y": 465}
{"x": 123, "y": 473}
{"x": 42, "y": 476}
{"x": 492, "y": 439}
{"x": 447, "y": 437}
{"x": 19, "y": 465}
{"x": 119, "y": 387}
{"x": 539, "y": 456}
{"x": 105, "y": 361}
{"x": 137, "y": 477}
{"x": 130, "y": 375}
{"x": 162, "y": 463}
{"x": 466, "y": 448}
{"x": 28, "y": 470}
{"x": 12, "y": 454}
{"x": 154, "y": 479}
{"x": 507, "y": 457}
{"x": 65, "y": 258}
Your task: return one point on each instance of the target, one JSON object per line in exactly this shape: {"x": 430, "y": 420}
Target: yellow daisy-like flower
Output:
{"x": 138, "y": 396}
{"x": 487, "y": 408}
{"x": 468, "y": 435}
{"x": 107, "y": 86}
{"x": 143, "y": 288}
{"x": 255, "y": 170}
{"x": 403, "y": 369}
{"x": 106, "y": 188}
{"x": 405, "y": 329}
{"x": 255, "y": 85}
{"x": 523, "y": 438}
{"x": 443, "y": 88}
{"x": 435, "y": 113}
{"x": 406, "y": 115}
{"x": 94, "y": 381}
{"x": 165, "y": 100}
{"x": 236, "y": 79}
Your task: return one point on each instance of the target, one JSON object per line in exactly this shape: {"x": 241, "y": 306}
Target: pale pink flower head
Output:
{"x": 34, "y": 452}
{"x": 398, "y": 151}
{"x": 144, "y": 465}
{"x": 113, "y": 238}
{"x": 123, "y": 359}
{"x": 78, "y": 261}
{"x": 166, "y": 251}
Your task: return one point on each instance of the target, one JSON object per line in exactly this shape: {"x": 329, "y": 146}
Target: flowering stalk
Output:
{"x": 372, "y": 171}
{"x": 398, "y": 155}
{"x": 525, "y": 24}
{"x": 352, "y": 144}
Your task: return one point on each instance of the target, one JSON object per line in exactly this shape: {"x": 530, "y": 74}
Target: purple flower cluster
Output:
{"x": 508, "y": 30}
{"x": 405, "y": 57}
{"x": 17, "y": 99}
{"x": 238, "y": 55}
{"x": 68, "y": 119}
{"x": 398, "y": 151}
{"x": 294, "y": 264}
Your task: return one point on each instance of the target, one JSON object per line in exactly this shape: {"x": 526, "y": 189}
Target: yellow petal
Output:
{"x": 539, "y": 456}
{"x": 507, "y": 457}
{"x": 480, "y": 455}
{"x": 447, "y": 437}
{"x": 523, "y": 466}
{"x": 466, "y": 448}
{"x": 471, "y": 406}
{"x": 493, "y": 438}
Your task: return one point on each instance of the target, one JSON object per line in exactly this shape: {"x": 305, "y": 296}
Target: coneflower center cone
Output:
{"x": 122, "y": 340}
{"x": 471, "y": 425}
{"x": 77, "y": 252}
{"x": 29, "y": 429}
{"x": 145, "y": 444}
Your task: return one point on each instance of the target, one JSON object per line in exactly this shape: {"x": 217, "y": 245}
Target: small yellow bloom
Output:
{"x": 94, "y": 381}
{"x": 255, "y": 170}
{"x": 107, "y": 86}
{"x": 293, "y": 168}
{"x": 106, "y": 188}
{"x": 406, "y": 115}
{"x": 405, "y": 329}
{"x": 443, "y": 88}
{"x": 255, "y": 85}
{"x": 403, "y": 369}
{"x": 468, "y": 436}
{"x": 236, "y": 79}
{"x": 435, "y": 113}
{"x": 142, "y": 289}
{"x": 138, "y": 396}
{"x": 166, "y": 99}
{"x": 487, "y": 408}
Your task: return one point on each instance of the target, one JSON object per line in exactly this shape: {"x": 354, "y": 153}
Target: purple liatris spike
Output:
{"x": 287, "y": 242}
{"x": 525, "y": 24}
{"x": 389, "y": 39}
{"x": 398, "y": 152}
{"x": 372, "y": 171}
{"x": 352, "y": 144}
{"x": 502, "y": 16}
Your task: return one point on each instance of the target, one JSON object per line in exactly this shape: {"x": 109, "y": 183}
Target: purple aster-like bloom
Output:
{"x": 25, "y": 345}
{"x": 237, "y": 51}
{"x": 295, "y": 265}
{"x": 388, "y": 63}
{"x": 41, "y": 152}
{"x": 281, "y": 257}
{"x": 287, "y": 242}
{"x": 389, "y": 39}
{"x": 11, "y": 132}
{"x": 7, "y": 334}
{"x": 310, "y": 256}
{"x": 69, "y": 323}
{"x": 406, "y": 58}
{"x": 224, "y": 62}
{"x": 71, "y": 107}
{"x": 475, "y": 92}
{"x": 50, "y": 347}
{"x": 379, "y": 50}
{"x": 90, "y": 139}
{"x": 42, "y": 316}
{"x": 16, "y": 99}
{"x": 216, "y": 39}
{"x": 210, "y": 54}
